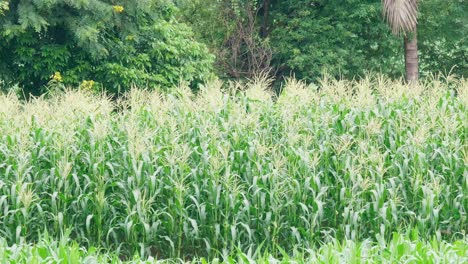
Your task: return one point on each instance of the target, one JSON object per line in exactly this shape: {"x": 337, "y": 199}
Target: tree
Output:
{"x": 402, "y": 16}
{"x": 345, "y": 39}
{"x": 113, "y": 43}
{"x": 231, "y": 29}
{"x": 265, "y": 18}
{"x": 3, "y": 6}
{"x": 443, "y": 36}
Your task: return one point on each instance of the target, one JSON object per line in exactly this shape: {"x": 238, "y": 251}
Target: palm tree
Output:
{"x": 402, "y": 16}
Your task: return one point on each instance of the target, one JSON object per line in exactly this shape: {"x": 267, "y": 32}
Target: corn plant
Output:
{"x": 400, "y": 249}
{"x": 236, "y": 168}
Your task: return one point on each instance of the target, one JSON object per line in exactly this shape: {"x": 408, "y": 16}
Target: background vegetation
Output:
{"x": 114, "y": 44}
{"x": 307, "y": 37}
{"x": 159, "y": 43}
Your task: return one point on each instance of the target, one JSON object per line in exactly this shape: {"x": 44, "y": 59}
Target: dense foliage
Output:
{"x": 3, "y": 6}
{"x": 133, "y": 150}
{"x": 343, "y": 38}
{"x": 338, "y": 37}
{"x": 443, "y": 37}
{"x": 115, "y": 44}
{"x": 180, "y": 175}
{"x": 230, "y": 29}
{"x": 399, "y": 250}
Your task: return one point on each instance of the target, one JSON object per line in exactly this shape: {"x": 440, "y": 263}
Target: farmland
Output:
{"x": 371, "y": 170}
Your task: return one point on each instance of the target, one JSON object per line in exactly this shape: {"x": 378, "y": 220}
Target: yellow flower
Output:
{"x": 118, "y": 8}
{"x": 57, "y": 77}
{"x": 87, "y": 85}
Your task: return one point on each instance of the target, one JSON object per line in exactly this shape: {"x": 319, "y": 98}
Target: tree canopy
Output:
{"x": 343, "y": 38}
{"x": 159, "y": 43}
{"x": 114, "y": 43}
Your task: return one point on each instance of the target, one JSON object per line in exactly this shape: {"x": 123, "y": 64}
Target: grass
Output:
{"x": 237, "y": 169}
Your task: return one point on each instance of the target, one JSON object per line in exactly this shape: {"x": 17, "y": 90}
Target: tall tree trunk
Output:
{"x": 266, "y": 17}
{"x": 411, "y": 57}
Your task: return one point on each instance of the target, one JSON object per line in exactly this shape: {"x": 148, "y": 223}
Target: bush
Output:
{"x": 117, "y": 46}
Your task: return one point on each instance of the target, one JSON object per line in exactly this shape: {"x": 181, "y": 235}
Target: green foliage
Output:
{"x": 206, "y": 18}
{"x": 115, "y": 45}
{"x": 443, "y": 37}
{"x": 400, "y": 249}
{"x": 229, "y": 28}
{"x": 4, "y": 6}
{"x": 178, "y": 175}
{"x": 343, "y": 38}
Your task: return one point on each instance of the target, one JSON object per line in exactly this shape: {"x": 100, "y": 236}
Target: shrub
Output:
{"x": 134, "y": 43}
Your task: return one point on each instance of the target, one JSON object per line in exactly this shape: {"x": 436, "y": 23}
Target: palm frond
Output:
{"x": 401, "y": 15}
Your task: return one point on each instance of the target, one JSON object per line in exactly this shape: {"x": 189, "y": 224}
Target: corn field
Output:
{"x": 235, "y": 168}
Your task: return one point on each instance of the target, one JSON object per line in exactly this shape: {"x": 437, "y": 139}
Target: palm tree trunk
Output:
{"x": 411, "y": 57}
